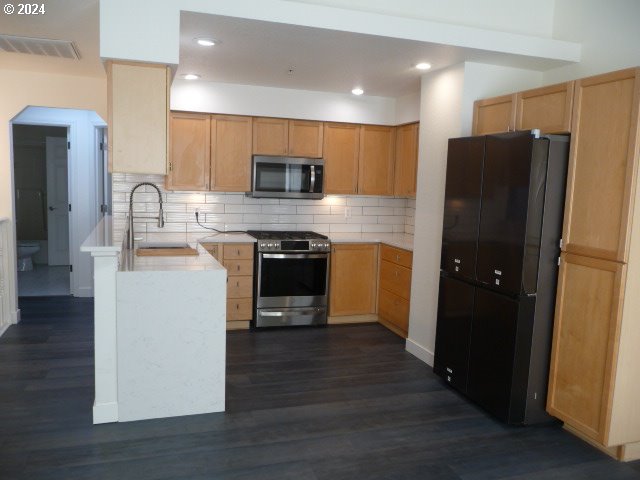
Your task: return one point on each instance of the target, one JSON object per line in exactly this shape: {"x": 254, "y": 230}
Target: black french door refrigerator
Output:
{"x": 504, "y": 204}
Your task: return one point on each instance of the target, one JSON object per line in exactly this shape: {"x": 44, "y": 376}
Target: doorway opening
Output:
{"x": 61, "y": 192}
{"x": 40, "y": 163}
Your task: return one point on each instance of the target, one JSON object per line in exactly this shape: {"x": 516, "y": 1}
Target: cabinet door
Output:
{"x": 463, "y": 190}
{"x": 406, "y": 167}
{"x": 231, "y": 153}
{"x": 341, "y": 151}
{"x": 354, "y": 269}
{"x": 585, "y": 338}
{"x": 494, "y": 115}
{"x": 602, "y": 165}
{"x": 394, "y": 309}
{"x": 547, "y": 109}
{"x": 138, "y": 106}
{"x": 377, "y": 147}
{"x": 453, "y": 331}
{"x": 305, "y": 139}
{"x": 270, "y": 136}
{"x": 189, "y": 154}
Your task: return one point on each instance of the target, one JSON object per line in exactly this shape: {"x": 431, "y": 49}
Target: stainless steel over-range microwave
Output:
{"x": 287, "y": 177}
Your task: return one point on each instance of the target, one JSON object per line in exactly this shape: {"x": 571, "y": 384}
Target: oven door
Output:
{"x": 288, "y": 280}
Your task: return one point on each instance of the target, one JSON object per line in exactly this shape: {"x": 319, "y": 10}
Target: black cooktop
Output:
{"x": 279, "y": 235}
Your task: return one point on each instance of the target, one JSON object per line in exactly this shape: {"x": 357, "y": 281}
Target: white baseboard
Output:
{"x": 15, "y": 316}
{"x": 420, "y": 352}
{"x": 3, "y": 328}
{"x": 84, "y": 292}
{"x": 105, "y": 412}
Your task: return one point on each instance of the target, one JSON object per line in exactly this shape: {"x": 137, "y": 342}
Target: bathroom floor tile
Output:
{"x": 44, "y": 280}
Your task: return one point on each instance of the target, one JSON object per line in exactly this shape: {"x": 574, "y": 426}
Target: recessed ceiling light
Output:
{"x": 190, "y": 76}
{"x": 357, "y": 91}
{"x": 423, "y": 66}
{"x": 207, "y": 42}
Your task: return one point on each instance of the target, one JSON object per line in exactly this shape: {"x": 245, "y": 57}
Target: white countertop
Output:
{"x": 399, "y": 240}
{"x": 227, "y": 238}
{"x": 203, "y": 261}
{"x": 100, "y": 240}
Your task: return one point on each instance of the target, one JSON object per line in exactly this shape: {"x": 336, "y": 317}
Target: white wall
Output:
{"x": 440, "y": 119}
{"x": 281, "y": 102}
{"x": 407, "y": 108}
{"x": 21, "y": 89}
{"x": 82, "y": 182}
{"x": 608, "y": 31}
{"x": 446, "y": 111}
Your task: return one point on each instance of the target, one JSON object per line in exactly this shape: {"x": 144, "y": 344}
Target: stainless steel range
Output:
{"x": 291, "y": 278}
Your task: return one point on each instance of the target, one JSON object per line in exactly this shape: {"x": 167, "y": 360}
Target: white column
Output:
{"x": 105, "y": 406}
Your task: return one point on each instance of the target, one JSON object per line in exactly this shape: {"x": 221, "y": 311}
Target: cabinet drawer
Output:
{"x": 212, "y": 248}
{"x": 395, "y": 279}
{"x": 394, "y": 309}
{"x": 239, "y": 309}
{"x": 238, "y": 251}
{"x": 239, "y": 286}
{"x": 238, "y": 267}
{"x": 397, "y": 255}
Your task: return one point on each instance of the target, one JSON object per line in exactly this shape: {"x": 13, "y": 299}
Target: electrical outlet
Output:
{"x": 347, "y": 212}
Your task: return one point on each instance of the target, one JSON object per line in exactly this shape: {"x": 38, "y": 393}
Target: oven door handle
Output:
{"x": 294, "y": 255}
{"x": 312, "y": 185}
{"x": 312, "y": 311}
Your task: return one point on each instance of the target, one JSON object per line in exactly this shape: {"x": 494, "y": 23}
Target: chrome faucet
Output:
{"x": 160, "y": 217}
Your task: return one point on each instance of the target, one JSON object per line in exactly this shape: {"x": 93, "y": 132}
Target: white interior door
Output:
{"x": 57, "y": 201}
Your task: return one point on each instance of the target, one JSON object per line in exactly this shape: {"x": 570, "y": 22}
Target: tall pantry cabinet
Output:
{"x": 593, "y": 382}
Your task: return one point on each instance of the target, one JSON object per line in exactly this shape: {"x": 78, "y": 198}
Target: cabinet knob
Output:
{"x": 397, "y": 257}
{"x": 237, "y": 306}
{"x": 237, "y": 283}
{"x": 238, "y": 252}
{"x": 397, "y": 273}
{"x": 238, "y": 267}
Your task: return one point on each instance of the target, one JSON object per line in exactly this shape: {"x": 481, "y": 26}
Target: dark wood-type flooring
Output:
{"x": 343, "y": 402}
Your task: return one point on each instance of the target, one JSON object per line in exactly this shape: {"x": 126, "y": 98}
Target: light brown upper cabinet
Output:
{"x": 138, "y": 102}
{"x": 305, "y": 139}
{"x": 602, "y": 165}
{"x": 279, "y": 136}
{"x": 376, "y": 160}
{"x": 547, "y": 109}
{"x": 189, "y": 153}
{"x": 231, "y": 153}
{"x": 341, "y": 152}
{"x": 406, "y": 160}
{"x": 494, "y": 115}
{"x": 209, "y": 152}
{"x": 353, "y": 279}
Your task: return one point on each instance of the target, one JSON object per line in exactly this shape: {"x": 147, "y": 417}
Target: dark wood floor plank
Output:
{"x": 342, "y": 402}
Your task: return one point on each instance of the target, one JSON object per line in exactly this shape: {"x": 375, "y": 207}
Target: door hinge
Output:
{"x": 102, "y": 146}
{"x": 104, "y": 208}
{"x": 68, "y": 145}
{"x": 69, "y": 207}
{"x": 170, "y": 166}
{"x": 71, "y": 268}
{"x": 559, "y": 260}
{"x": 561, "y": 244}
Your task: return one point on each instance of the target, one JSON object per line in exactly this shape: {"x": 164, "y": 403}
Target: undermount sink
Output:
{"x": 163, "y": 245}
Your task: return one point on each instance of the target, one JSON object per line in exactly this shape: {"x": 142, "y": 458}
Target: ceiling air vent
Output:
{"x": 39, "y": 46}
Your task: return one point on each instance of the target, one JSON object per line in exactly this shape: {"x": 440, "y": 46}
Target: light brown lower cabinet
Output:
{"x": 237, "y": 258}
{"x": 394, "y": 293}
{"x": 593, "y": 379}
{"x": 353, "y": 279}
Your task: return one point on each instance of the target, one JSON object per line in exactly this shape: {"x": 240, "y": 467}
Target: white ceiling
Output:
{"x": 74, "y": 20}
{"x": 256, "y": 52}
{"x": 262, "y": 53}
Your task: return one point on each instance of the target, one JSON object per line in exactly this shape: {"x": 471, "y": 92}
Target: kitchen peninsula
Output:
{"x": 159, "y": 332}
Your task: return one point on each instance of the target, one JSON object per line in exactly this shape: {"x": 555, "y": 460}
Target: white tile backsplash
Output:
{"x": 236, "y": 211}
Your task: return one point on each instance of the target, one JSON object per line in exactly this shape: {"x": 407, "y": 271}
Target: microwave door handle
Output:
{"x": 312, "y": 183}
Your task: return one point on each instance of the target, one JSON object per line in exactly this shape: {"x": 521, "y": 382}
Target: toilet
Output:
{"x": 25, "y": 251}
